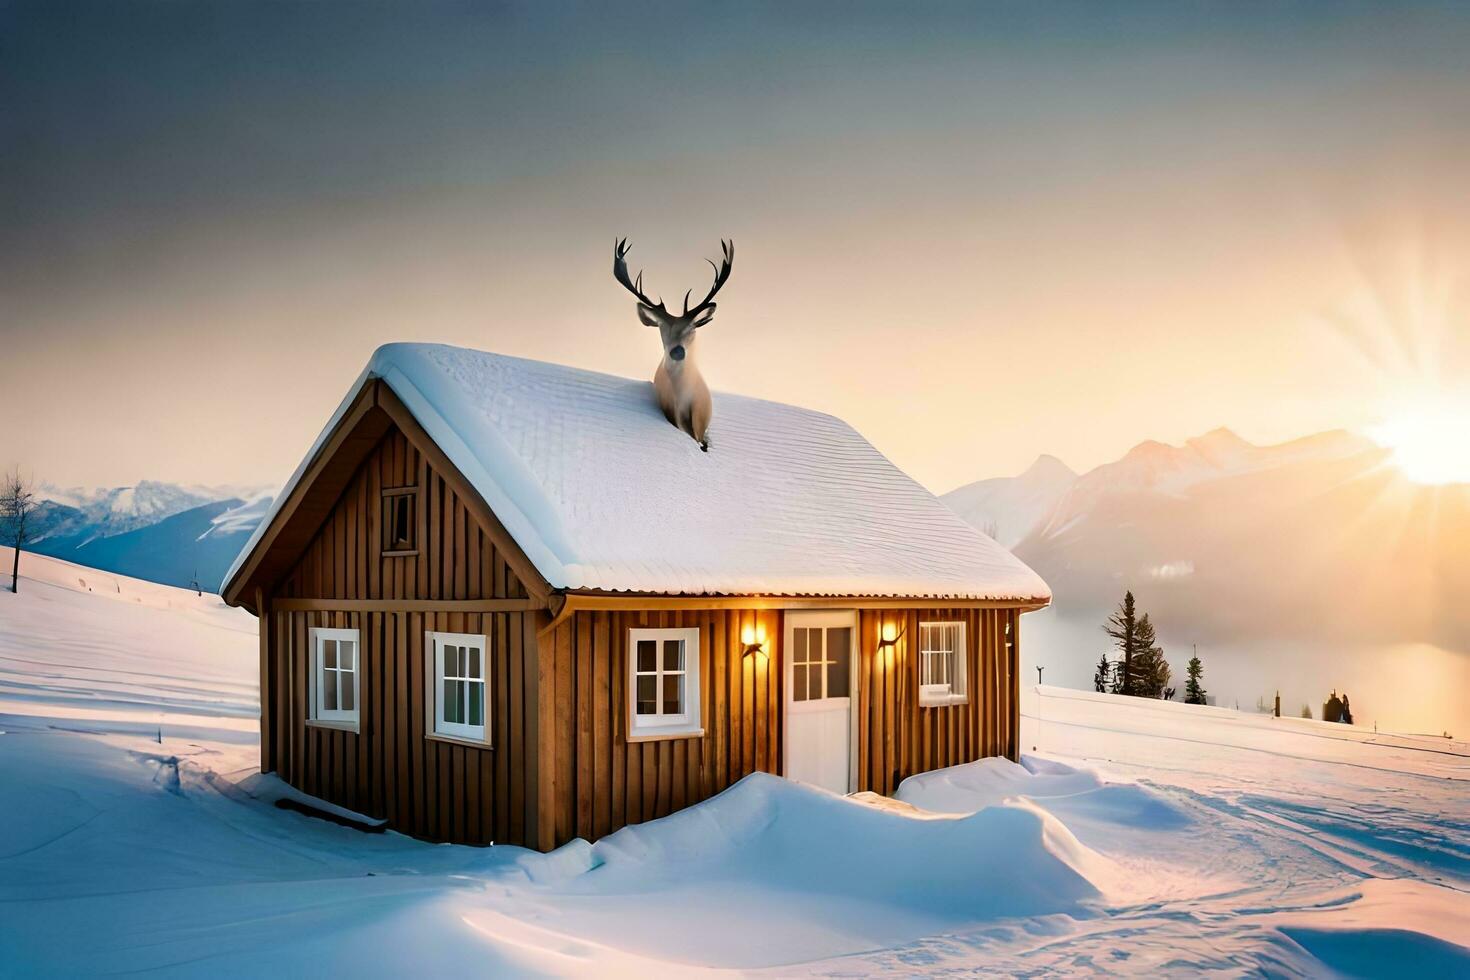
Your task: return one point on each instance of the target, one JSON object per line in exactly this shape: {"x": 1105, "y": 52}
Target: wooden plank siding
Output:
{"x": 601, "y": 781}
{"x": 389, "y": 769}
{"x": 455, "y": 557}
{"x": 898, "y": 738}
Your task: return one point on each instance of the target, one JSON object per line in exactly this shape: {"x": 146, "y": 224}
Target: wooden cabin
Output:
{"x": 506, "y": 601}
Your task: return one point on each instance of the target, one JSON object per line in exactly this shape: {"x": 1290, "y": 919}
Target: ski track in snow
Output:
{"x": 1140, "y": 839}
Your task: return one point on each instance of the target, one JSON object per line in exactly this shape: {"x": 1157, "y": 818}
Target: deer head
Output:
{"x": 682, "y": 393}
{"x": 676, "y": 332}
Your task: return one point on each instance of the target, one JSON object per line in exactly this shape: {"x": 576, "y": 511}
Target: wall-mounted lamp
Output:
{"x": 754, "y": 640}
{"x": 890, "y": 635}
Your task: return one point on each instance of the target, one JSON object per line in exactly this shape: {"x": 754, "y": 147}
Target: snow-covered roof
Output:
{"x": 601, "y": 492}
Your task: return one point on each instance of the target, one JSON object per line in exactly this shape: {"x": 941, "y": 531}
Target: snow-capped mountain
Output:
{"x": 183, "y": 535}
{"x": 1229, "y": 541}
{"x": 242, "y": 518}
{"x": 1008, "y": 508}
{"x": 1048, "y": 497}
{"x": 76, "y": 512}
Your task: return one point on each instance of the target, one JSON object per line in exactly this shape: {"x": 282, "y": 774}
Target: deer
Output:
{"x": 681, "y": 391}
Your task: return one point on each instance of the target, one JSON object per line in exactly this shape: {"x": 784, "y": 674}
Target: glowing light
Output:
{"x": 1430, "y": 443}
{"x": 753, "y": 638}
{"x": 890, "y": 632}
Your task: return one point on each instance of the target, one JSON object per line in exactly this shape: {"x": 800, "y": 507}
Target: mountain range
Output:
{"x": 1318, "y": 536}
{"x": 170, "y": 533}
{"x": 1300, "y": 566}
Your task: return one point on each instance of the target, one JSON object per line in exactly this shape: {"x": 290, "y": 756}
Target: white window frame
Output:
{"x": 683, "y": 725}
{"x": 335, "y": 718}
{"x": 932, "y": 639}
{"x": 478, "y": 734}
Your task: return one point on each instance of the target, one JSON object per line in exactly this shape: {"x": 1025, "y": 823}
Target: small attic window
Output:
{"x": 399, "y": 521}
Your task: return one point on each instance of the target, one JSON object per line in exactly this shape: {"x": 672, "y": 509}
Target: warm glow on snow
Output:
{"x": 1430, "y": 443}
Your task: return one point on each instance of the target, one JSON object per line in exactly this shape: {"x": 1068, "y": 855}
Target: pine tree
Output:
{"x": 1122, "y": 626}
{"x": 1151, "y": 671}
{"x": 1306, "y": 711}
{"x": 1332, "y": 709}
{"x": 1100, "y": 677}
{"x": 1193, "y": 692}
{"x": 1347, "y": 711}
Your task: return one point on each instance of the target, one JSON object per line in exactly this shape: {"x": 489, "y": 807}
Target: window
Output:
{"x": 334, "y": 677}
{"x": 460, "y": 669}
{"x": 663, "y": 682}
{"x": 398, "y": 520}
{"x": 820, "y": 666}
{"x": 941, "y": 663}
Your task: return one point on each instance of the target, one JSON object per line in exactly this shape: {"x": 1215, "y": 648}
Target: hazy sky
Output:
{"x": 976, "y": 231}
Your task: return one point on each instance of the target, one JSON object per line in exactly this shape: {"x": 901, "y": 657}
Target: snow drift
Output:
{"x": 1075, "y": 793}
{"x": 833, "y": 874}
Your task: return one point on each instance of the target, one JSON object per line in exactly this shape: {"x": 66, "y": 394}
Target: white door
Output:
{"x": 819, "y": 697}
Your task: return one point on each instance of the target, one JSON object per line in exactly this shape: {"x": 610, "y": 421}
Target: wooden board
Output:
{"x": 388, "y": 769}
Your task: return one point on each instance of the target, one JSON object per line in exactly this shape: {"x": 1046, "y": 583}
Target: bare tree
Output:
{"x": 17, "y": 504}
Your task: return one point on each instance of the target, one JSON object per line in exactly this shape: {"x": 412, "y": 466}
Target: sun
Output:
{"x": 1430, "y": 443}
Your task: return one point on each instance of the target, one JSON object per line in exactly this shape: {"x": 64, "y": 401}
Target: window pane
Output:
{"x": 453, "y": 703}
{"x": 402, "y": 520}
{"x": 329, "y": 653}
{"x": 346, "y": 654}
{"x": 798, "y": 682}
{"x": 814, "y": 646}
{"x": 472, "y": 662}
{"x": 647, "y": 695}
{"x": 798, "y": 649}
{"x": 673, "y": 654}
{"x": 647, "y": 656}
{"x": 477, "y": 704}
{"x": 839, "y": 642}
{"x": 674, "y": 694}
{"x": 329, "y": 690}
{"x": 345, "y": 680}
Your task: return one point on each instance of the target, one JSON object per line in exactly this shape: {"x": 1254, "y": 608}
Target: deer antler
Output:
{"x": 620, "y": 272}
{"x": 722, "y": 273}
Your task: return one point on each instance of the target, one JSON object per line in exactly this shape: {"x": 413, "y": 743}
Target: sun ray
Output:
{"x": 1429, "y": 442}
{"x": 1407, "y": 320}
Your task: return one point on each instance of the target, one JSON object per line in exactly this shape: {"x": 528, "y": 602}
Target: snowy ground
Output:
{"x": 1139, "y": 838}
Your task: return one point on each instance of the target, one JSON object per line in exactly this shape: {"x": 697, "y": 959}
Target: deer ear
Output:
{"x": 648, "y": 316}
{"x": 705, "y": 316}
